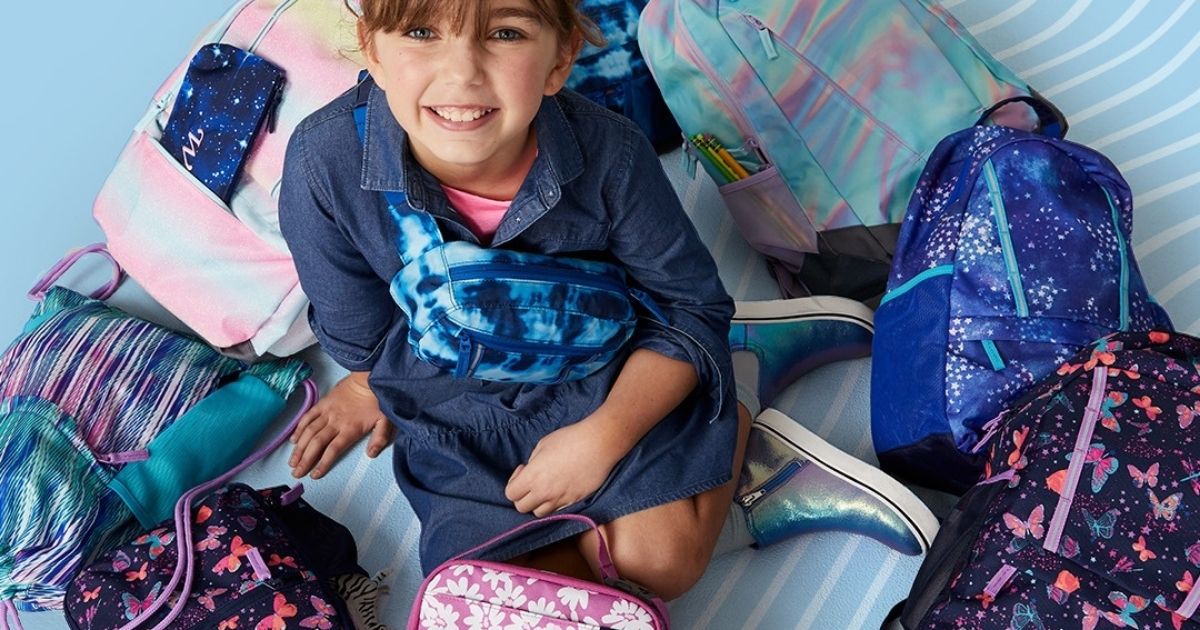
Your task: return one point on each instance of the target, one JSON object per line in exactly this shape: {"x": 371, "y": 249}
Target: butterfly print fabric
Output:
{"x": 1096, "y": 519}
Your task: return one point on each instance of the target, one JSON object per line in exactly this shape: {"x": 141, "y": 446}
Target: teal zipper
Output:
{"x": 941, "y": 270}
{"x": 1116, "y": 218}
{"x": 993, "y": 354}
{"x": 1010, "y": 257}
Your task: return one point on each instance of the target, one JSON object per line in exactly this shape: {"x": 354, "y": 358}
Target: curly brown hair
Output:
{"x": 387, "y": 16}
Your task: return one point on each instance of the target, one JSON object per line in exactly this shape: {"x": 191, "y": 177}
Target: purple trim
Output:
{"x": 608, "y": 572}
{"x": 261, "y": 572}
{"x": 183, "y": 512}
{"x": 1004, "y": 476}
{"x": 293, "y": 495}
{"x": 999, "y": 581}
{"x": 124, "y": 457}
{"x": 8, "y": 608}
{"x": 38, "y": 292}
{"x": 1075, "y": 470}
{"x": 1188, "y": 608}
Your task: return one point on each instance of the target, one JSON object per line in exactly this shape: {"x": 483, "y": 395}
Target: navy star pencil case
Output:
{"x": 228, "y": 95}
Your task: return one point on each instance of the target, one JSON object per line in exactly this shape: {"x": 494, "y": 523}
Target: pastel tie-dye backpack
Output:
{"x": 1087, "y": 517}
{"x": 616, "y": 75}
{"x": 187, "y": 246}
{"x": 504, "y": 315}
{"x": 1014, "y": 255}
{"x": 830, "y": 108}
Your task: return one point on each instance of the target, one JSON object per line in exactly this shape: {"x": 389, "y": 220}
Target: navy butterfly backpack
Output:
{"x": 1014, "y": 254}
{"x": 1089, "y": 515}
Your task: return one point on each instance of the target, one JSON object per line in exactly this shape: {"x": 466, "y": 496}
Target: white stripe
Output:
{"x": 821, "y": 597}
{"x": 1151, "y": 196}
{"x": 752, "y": 263}
{"x": 403, "y": 556}
{"x": 1108, "y": 33}
{"x": 838, "y": 404}
{"x": 950, "y": 4}
{"x": 1167, "y": 293}
{"x": 1170, "y": 149}
{"x": 1166, "y": 114}
{"x": 350, "y": 490}
{"x": 782, "y": 577}
{"x": 382, "y": 512}
{"x": 1000, "y": 18}
{"x": 1054, "y": 29}
{"x": 1128, "y": 54}
{"x": 1141, "y": 86}
{"x": 1154, "y": 243}
{"x": 1192, "y": 328}
{"x": 724, "y": 233}
{"x": 882, "y": 575}
{"x": 729, "y": 579}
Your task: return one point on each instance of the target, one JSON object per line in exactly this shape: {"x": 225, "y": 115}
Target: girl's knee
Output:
{"x": 669, "y": 564}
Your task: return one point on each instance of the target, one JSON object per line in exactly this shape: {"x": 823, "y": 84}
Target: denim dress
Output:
{"x": 596, "y": 191}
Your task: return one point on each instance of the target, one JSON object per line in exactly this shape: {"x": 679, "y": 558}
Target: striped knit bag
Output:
{"x": 104, "y": 420}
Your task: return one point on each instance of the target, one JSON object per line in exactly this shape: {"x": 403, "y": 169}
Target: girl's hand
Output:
{"x": 340, "y": 419}
{"x": 565, "y": 467}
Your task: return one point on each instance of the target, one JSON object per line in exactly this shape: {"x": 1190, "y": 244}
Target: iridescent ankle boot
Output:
{"x": 793, "y": 337}
{"x": 793, "y": 482}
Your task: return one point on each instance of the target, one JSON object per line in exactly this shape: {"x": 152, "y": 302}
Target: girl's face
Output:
{"x": 467, "y": 100}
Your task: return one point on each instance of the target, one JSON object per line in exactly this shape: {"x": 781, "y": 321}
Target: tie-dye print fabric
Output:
{"x": 832, "y": 106}
{"x": 500, "y": 315}
{"x": 616, "y": 75}
{"x": 83, "y": 385}
{"x": 260, "y": 561}
{"x": 1090, "y": 516}
{"x": 190, "y": 249}
{"x": 1015, "y": 254}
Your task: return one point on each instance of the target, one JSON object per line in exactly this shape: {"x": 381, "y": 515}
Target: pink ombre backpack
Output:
{"x": 481, "y": 593}
{"x": 223, "y": 269}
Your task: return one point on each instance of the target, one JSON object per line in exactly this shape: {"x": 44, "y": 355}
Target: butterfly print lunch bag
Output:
{"x": 259, "y": 560}
{"x": 1089, "y": 514}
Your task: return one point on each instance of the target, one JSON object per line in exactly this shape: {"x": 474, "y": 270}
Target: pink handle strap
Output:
{"x": 183, "y": 527}
{"x": 8, "y": 608}
{"x": 608, "y": 572}
{"x": 38, "y": 292}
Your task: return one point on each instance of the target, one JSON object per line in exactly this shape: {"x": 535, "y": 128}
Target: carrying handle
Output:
{"x": 1051, "y": 121}
{"x": 608, "y": 572}
{"x": 183, "y": 515}
{"x": 38, "y": 292}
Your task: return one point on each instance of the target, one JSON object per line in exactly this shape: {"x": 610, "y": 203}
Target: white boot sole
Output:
{"x": 819, "y": 307}
{"x": 866, "y": 477}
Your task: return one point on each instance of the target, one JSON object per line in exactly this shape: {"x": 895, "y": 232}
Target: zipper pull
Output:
{"x": 273, "y": 106}
{"x": 689, "y": 157}
{"x": 748, "y": 500}
{"x": 764, "y": 35}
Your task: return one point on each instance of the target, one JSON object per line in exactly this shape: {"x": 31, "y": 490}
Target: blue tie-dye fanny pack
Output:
{"x": 501, "y": 315}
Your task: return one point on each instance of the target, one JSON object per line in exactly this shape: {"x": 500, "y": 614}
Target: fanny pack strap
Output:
{"x": 418, "y": 230}
{"x": 38, "y": 291}
{"x": 183, "y": 526}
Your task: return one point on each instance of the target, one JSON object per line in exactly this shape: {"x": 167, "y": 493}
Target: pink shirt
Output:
{"x": 482, "y": 215}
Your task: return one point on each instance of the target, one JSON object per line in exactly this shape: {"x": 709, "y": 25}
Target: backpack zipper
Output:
{"x": 780, "y": 477}
{"x": 1006, "y": 246}
{"x": 1116, "y": 219}
{"x": 768, "y": 37}
{"x": 205, "y": 190}
{"x": 487, "y": 271}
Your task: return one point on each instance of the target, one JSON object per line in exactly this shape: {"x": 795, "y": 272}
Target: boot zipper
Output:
{"x": 778, "y": 479}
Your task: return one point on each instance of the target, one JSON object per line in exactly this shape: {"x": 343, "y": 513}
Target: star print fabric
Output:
{"x": 226, "y": 97}
{"x": 1015, "y": 254}
{"x": 1090, "y": 517}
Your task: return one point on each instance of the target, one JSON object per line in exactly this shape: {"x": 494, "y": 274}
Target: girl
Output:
{"x": 466, "y": 118}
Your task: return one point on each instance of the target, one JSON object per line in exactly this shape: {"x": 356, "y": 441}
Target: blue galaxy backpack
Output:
{"x": 1014, "y": 254}
{"x": 1087, "y": 515}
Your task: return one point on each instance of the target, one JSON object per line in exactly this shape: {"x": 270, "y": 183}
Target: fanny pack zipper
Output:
{"x": 580, "y": 277}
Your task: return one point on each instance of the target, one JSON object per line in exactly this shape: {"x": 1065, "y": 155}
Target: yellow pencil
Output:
{"x": 735, "y": 167}
{"x": 713, "y": 158}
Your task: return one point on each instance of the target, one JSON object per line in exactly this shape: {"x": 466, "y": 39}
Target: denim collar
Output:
{"x": 559, "y": 161}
